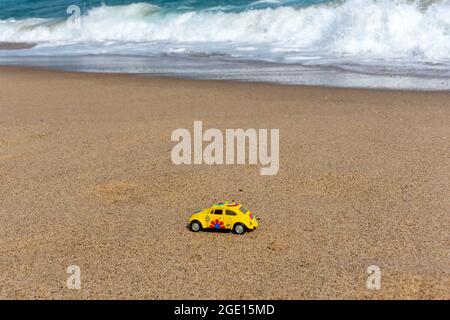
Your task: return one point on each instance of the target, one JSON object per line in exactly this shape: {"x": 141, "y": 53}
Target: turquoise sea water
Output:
{"x": 21, "y": 9}
{"x": 369, "y": 43}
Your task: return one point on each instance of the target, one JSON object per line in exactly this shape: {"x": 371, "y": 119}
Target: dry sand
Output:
{"x": 86, "y": 179}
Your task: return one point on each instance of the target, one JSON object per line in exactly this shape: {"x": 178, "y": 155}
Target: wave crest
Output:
{"x": 383, "y": 28}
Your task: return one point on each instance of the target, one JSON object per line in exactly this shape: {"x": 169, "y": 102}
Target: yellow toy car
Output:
{"x": 224, "y": 216}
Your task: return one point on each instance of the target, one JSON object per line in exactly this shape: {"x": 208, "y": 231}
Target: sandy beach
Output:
{"x": 86, "y": 179}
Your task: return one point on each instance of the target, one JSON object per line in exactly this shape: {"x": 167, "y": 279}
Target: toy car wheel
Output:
{"x": 238, "y": 228}
{"x": 195, "y": 226}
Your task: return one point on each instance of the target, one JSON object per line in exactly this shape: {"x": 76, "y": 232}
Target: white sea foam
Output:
{"x": 385, "y": 29}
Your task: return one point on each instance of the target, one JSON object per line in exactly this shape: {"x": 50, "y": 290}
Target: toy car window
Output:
{"x": 243, "y": 210}
{"x": 230, "y": 213}
{"x": 217, "y": 211}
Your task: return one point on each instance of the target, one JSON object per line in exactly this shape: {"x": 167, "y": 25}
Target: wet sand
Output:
{"x": 86, "y": 179}
{"x": 16, "y": 45}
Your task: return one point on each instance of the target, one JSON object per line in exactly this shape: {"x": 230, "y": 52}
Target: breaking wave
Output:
{"x": 382, "y": 28}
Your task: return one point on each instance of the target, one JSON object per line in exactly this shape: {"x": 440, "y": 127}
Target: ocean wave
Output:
{"x": 384, "y": 28}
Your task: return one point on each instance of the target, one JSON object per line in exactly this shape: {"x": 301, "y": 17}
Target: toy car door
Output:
{"x": 230, "y": 218}
{"x": 217, "y": 219}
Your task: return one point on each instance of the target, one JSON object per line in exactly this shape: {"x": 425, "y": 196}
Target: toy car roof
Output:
{"x": 226, "y": 204}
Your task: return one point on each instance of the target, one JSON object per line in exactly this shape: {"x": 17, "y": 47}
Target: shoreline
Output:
{"x": 183, "y": 78}
{"x": 86, "y": 179}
